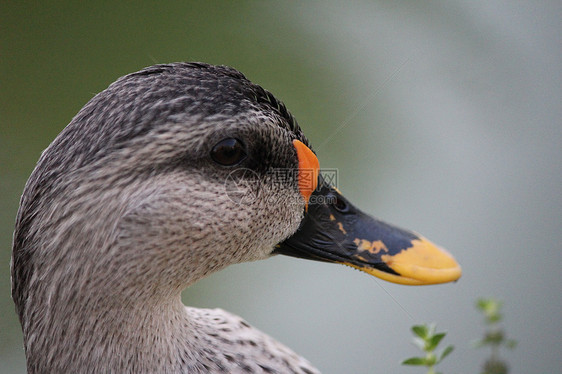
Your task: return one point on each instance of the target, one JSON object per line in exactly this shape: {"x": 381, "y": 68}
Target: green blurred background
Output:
{"x": 443, "y": 117}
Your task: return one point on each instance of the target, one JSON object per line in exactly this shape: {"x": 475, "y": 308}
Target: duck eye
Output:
{"x": 228, "y": 152}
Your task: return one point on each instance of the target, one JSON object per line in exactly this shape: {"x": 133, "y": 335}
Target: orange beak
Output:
{"x": 309, "y": 168}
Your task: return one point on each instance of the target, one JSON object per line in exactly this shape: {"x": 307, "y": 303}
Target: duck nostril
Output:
{"x": 339, "y": 203}
{"x": 228, "y": 152}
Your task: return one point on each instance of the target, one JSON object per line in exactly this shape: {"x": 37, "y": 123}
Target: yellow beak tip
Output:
{"x": 424, "y": 263}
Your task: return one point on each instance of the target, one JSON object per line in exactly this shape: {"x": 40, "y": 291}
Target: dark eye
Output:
{"x": 228, "y": 152}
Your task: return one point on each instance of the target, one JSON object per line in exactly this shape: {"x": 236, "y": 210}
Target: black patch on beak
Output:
{"x": 333, "y": 230}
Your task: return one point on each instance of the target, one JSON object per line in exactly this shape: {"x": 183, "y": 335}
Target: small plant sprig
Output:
{"x": 427, "y": 340}
{"x": 494, "y": 336}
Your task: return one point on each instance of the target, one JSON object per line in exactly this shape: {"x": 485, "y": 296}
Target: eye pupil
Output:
{"x": 228, "y": 152}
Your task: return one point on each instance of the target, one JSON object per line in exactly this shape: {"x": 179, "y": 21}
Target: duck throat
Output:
{"x": 80, "y": 333}
{"x": 86, "y": 303}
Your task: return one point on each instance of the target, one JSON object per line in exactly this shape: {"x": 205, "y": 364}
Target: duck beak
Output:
{"x": 333, "y": 230}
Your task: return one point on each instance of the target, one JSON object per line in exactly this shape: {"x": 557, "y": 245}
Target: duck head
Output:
{"x": 175, "y": 172}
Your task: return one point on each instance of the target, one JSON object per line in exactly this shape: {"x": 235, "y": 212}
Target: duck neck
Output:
{"x": 111, "y": 335}
{"x": 101, "y": 314}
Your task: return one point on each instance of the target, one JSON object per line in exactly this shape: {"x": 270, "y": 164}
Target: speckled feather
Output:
{"x": 125, "y": 209}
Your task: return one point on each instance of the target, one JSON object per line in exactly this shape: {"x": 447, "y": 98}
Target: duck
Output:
{"x": 170, "y": 174}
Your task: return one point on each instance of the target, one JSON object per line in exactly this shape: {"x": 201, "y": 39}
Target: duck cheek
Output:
{"x": 283, "y": 213}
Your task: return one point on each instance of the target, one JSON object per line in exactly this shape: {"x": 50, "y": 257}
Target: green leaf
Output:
{"x": 417, "y": 361}
{"x": 434, "y": 341}
{"x": 447, "y": 351}
{"x": 482, "y": 303}
{"x": 491, "y": 309}
{"x": 420, "y": 330}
